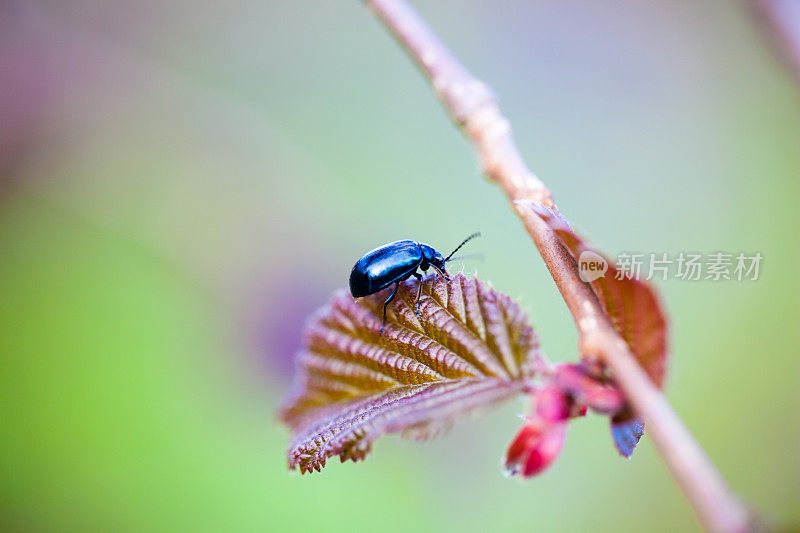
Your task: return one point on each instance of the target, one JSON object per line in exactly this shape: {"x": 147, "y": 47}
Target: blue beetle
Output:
{"x": 395, "y": 262}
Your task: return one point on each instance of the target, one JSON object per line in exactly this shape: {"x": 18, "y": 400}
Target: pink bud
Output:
{"x": 539, "y": 441}
{"x": 535, "y": 447}
{"x": 552, "y": 404}
{"x": 601, "y": 397}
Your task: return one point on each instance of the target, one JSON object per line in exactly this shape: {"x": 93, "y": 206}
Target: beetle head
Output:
{"x": 430, "y": 257}
{"x": 437, "y": 261}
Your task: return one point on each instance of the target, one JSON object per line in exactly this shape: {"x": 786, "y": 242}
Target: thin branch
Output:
{"x": 779, "y": 22}
{"x": 474, "y": 108}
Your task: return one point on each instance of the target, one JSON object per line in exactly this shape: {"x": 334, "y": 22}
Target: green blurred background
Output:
{"x": 181, "y": 183}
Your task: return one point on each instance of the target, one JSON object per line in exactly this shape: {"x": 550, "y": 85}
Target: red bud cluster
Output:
{"x": 567, "y": 394}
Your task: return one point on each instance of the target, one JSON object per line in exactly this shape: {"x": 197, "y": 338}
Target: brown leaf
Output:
{"x": 632, "y": 305}
{"x": 470, "y": 347}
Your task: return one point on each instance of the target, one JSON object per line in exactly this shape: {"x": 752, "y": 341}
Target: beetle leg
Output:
{"x": 386, "y": 303}
{"x": 419, "y": 292}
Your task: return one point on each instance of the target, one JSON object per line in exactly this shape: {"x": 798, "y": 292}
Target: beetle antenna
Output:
{"x": 478, "y": 256}
{"x": 465, "y": 241}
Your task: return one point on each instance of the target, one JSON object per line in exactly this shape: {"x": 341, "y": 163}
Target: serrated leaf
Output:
{"x": 470, "y": 347}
